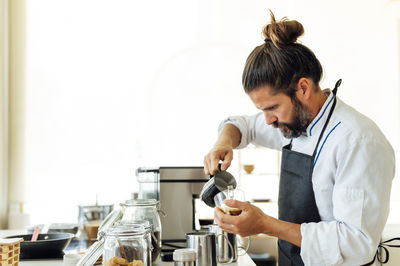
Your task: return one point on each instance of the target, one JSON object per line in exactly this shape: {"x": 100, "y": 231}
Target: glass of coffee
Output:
{"x": 230, "y": 193}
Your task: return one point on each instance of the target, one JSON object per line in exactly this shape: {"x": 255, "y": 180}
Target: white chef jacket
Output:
{"x": 352, "y": 178}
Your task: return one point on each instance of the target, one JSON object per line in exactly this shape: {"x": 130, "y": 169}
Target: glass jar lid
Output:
{"x": 126, "y": 230}
{"x": 140, "y": 202}
{"x": 145, "y": 223}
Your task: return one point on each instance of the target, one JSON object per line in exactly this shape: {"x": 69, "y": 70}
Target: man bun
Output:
{"x": 283, "y": 32}
{"x": 280, "y": 61}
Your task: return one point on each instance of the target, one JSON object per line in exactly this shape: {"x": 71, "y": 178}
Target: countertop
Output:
{"x": 390, "y": 231}
{"x": 244, "y": 260}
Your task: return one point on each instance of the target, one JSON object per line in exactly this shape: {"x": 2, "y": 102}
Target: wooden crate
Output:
{"x": 9, "y": 251}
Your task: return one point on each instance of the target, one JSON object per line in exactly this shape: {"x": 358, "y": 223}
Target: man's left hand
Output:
{"x": 251, "y": 221}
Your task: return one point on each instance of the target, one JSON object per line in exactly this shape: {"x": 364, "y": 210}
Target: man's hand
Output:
{"x": 251, "y": 221}
{"x": 229, "y": 138}
{"x": 217, "y": 153}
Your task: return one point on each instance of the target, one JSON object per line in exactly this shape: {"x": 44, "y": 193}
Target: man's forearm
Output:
{"x": 230, "y": 135}
{"x": 289, "y": 232}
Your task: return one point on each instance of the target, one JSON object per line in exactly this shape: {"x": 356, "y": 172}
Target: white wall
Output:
{"x": 4, "y": 30}
{"x": 113, "y": 85}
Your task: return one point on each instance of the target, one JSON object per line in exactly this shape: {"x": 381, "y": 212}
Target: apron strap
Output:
{"x": 289, "y": 145}
{"x": 382, "y": 249}
{"x": 334, "y": 91}
{"x": 337, "y": 85}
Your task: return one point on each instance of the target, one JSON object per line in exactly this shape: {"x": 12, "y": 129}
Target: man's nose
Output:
{"x": 269, "y": 118}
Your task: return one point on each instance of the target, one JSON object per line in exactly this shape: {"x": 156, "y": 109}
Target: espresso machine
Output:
{"x": 176, "y": 189}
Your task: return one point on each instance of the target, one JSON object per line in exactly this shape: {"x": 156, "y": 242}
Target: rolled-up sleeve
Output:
{"x": 255, "y": 130}
{"x": 361, "y": 199}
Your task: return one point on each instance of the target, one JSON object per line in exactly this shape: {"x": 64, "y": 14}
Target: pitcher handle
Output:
{"x": 230, "y": 248}
{"x": 245, "y": 249}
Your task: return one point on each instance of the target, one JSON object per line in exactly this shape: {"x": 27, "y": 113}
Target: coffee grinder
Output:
{"x": 176, "y": 189}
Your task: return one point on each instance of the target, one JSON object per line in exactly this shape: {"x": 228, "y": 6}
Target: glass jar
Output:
{"x": 145, "y": 209}
{"x": 126, "y": 245}
{"x": 147, "y": 227}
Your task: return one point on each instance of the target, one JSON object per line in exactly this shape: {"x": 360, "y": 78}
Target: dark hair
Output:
{"x": 280, "y": 61}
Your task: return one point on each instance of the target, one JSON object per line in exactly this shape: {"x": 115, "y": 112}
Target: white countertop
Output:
{"x": 391, "y": 230}
{"x": 244, "y": 260}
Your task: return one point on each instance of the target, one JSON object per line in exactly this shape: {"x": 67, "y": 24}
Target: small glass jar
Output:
{"x": 126, "y": 245}
{"x": 145, "y": 209}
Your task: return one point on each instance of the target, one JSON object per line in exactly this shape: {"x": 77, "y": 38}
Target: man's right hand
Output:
{"x": 228, "y": 139}
{"x": 218, "y": 153}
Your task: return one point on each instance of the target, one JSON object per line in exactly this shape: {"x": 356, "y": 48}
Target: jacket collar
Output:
{"x": 316, "y": 125}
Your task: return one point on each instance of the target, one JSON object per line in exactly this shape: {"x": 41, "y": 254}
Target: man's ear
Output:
{"x": 304, "y": 89}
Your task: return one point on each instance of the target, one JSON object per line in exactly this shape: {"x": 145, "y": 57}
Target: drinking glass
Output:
{"x": 229, "y": 194}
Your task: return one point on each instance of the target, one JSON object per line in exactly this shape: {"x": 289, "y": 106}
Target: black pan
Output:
{"x": 47, "y": 245}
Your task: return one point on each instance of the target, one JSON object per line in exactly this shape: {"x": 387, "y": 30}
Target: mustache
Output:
{"x": 278, "y": 125}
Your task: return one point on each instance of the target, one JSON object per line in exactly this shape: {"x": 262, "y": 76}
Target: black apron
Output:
{"x": 296, "y": 199}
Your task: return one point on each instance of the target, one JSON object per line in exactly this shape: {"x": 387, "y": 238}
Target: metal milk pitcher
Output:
{"x": 227, "y": 248}
{"x": 227, "y": 245}
{"x": 205, "y": 244}
{"x": 217, "y": 183}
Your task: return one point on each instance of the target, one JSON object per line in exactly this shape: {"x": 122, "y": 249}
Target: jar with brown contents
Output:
{"x": 149, "y": 234}
{"x": 126, "y": 245}
{"x": 117, "y": 261}
{"x": 145, "y": 209}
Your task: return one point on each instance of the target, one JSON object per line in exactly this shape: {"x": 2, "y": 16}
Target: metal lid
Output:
{"x": 185, "y": 254}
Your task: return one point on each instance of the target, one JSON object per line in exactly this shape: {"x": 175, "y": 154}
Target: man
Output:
{"x": 337, "y": 166}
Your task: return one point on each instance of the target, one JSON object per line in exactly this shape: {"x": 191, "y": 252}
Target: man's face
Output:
{"x": 280, "y": 111}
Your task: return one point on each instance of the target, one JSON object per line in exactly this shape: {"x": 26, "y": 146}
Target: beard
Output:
{"x": 301, "y": 118}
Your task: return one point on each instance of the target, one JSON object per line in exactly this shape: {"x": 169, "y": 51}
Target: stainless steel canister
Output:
{"x": 184, "y": 257}
{"x": 204, "y": 244}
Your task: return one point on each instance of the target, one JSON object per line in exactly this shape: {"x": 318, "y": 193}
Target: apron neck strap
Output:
{"x": 337, "y": 86}
{"x": 334, "y": 91}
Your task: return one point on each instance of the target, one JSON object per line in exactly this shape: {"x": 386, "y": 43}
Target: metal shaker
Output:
{"x": 184, "y": 257}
